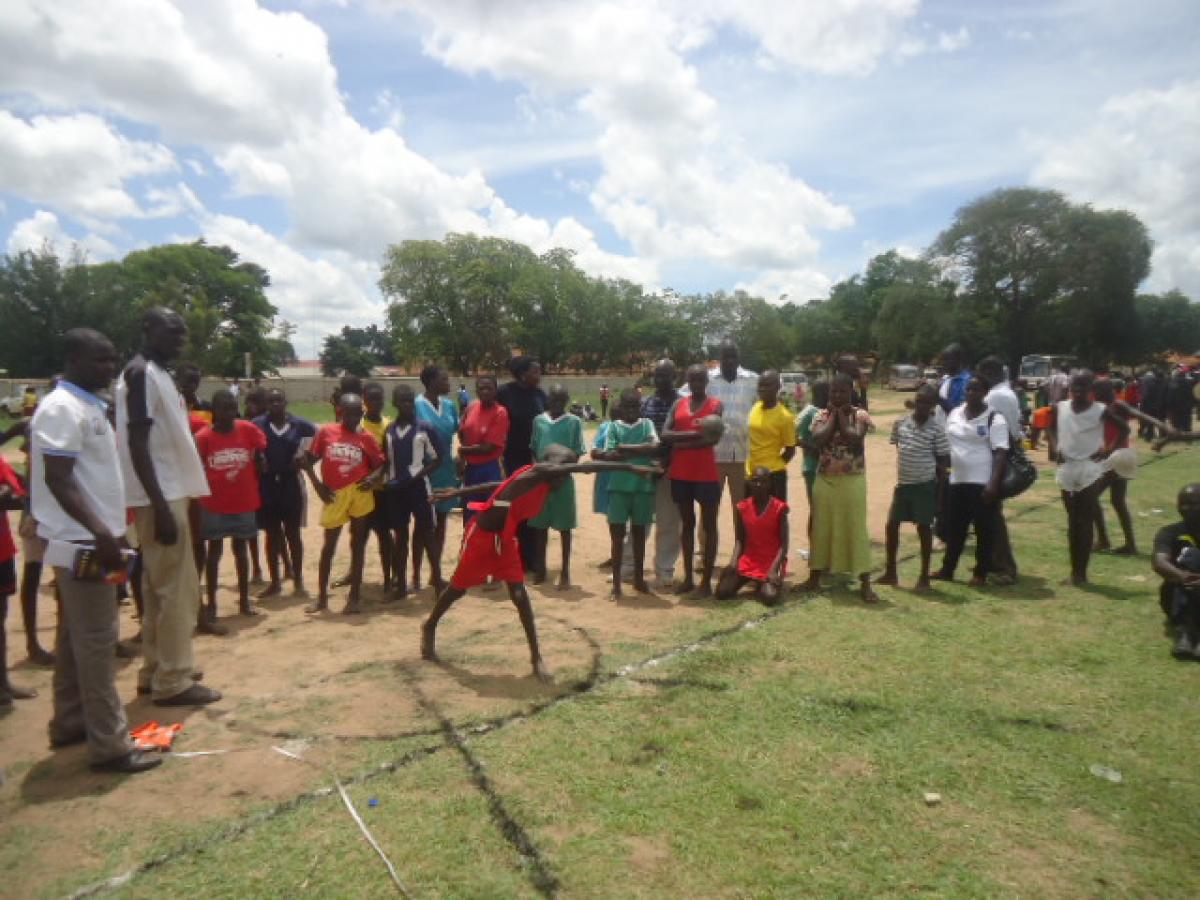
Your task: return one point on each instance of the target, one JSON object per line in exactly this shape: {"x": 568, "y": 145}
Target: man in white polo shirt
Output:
{"x": 162, "y": 472}
{"x": 78, "y": 500}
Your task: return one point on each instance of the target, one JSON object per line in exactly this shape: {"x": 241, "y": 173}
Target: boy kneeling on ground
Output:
{"x": 760, "y": 543}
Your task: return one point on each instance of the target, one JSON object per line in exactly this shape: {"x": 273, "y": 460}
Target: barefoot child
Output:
{"x": 694, "y": 475}
{"x": 490, "y": 545}
{"x": 375, "y": 423}
{"x": 923, "y": 462}
{"x": 482, "y": 436}
{"x": 282, "y": 512}
{"x": 349, "y": 459}
{"x": 630, "y": 438}
{"x": 232, "y": 452}
{"x": 556, "y": 426}
{"x": 760, "y": 542}
{"x": 254, "y": 406}
{"x": 413, "y": 450}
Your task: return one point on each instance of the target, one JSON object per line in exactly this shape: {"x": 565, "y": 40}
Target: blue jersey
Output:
{"x": 284, "y": 445}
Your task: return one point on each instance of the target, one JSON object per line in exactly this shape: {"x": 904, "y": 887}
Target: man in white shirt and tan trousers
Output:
{"x": 163, "y": 473}
{"x": 78, "y": 500}
{"x": 737, "y": 389}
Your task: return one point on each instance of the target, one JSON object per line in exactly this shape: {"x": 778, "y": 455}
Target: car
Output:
{"x": 932, "y": 376}
{"x": 904, "y": 378}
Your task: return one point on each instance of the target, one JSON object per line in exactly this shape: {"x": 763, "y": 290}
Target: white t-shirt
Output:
{"x": 172, "y": 450}
{"x": 72, "y": 422}
{"x": 971, "y": 444}
{"x": 1001, "y": 399}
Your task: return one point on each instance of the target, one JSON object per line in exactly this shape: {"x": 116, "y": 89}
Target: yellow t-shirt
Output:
{"x": 377, "y": 431}
{"x": 770, "y": 431}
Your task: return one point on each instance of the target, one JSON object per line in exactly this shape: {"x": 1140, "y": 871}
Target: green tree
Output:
{"x": 347, "y": 353}
{"x": 1166, "y": 323}
{"x": 40, "y": 298}
{"x": 450, "y": 299}
{"x": 222, "y": 298}
{"x": 541, "y": 302}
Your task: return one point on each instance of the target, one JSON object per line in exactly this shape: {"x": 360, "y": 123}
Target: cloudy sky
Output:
{"x": 693, "y": 144}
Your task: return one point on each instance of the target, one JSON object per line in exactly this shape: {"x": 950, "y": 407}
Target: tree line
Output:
{"x": 222, "y": 298}
{"x": 1017, "y": 271}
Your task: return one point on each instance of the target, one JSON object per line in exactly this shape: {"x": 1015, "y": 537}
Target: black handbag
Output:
{"x": 1019, "y": 471}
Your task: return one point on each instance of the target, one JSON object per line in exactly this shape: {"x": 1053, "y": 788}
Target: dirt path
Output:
{"x": 332, "y": 678}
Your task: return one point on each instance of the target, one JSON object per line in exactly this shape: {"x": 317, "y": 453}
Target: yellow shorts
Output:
{"x": 348, "y": 503}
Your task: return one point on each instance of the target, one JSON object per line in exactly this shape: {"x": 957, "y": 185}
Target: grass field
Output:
{"x": 785, "y": 753}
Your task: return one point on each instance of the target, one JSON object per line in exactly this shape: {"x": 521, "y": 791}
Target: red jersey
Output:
{"x": 229, "y": 463}
{"x": 697, "y": 463}
{"x": 8, "y": 547}
{"x": 481, "y": 425}
{"x": 496, "y": 554}
{"x": 199, "y": 419}
{"x": 763, "y": 538}
{"x": 346, "y": 456}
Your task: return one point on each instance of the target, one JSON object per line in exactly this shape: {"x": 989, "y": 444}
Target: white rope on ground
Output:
{"x": 362, "y": 826}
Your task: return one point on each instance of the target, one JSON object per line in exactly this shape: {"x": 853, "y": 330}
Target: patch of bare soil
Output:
{"x": 339, "y": 681}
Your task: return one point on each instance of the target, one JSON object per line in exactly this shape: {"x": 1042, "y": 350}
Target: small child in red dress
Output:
{"x": 760, "y": 546}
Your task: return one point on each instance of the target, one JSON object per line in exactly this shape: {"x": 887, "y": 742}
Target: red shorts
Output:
{"x": 487, "y": 554}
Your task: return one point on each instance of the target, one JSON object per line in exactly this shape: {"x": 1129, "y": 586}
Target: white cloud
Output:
{"x": 788, "y": 285}
{"x": 320, "y": 294}
{"x": 386, "y": 107}
{"x": 830, "y": 37}
{"x": 77, "y": 163}
{"x": 1141, "y": 154}
{"x": 43, "y": 229}
{"x": 673, "y": 184}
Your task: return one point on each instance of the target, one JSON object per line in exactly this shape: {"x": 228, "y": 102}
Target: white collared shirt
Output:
{"x": 72, "y": 422}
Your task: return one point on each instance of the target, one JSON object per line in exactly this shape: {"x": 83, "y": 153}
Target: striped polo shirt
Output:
{"x": 918, "y": 447}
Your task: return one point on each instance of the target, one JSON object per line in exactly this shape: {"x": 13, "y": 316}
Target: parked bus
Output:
{"x": 1036, "y": 368}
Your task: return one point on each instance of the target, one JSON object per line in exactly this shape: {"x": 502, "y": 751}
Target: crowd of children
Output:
{"x": 401, "y": 476}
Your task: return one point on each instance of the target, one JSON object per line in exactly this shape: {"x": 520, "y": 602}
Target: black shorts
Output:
{"x": 8, "y": 575}
{"x": 702, "y": 492}
{"x": 409, "y": 500}
{"x": 379, "y": 519}
{"x": 282, "y": 500}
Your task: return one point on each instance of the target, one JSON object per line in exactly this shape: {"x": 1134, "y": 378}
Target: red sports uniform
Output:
{"x": 762, "y": 538}
{"x": 496, "y": 554}
{"x": 228, "y": 458}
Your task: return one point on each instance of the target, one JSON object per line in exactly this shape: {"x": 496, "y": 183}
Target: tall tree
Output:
{"x": 1008, "y": 248}
{"x": 450, "y": 299}
{"x": 222, "y": 298}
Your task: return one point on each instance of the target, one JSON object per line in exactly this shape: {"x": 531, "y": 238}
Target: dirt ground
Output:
{"x": 330, "y": 679}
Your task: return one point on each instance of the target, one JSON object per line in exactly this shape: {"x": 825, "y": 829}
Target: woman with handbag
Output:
{"x": 979, "y": 442}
